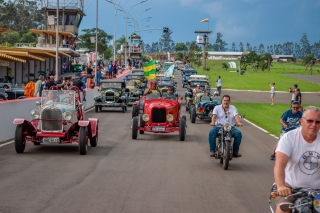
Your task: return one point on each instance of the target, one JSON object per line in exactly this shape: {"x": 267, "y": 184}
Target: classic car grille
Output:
{"x": 51, "y": 119}
{"x": 109, "y": 96}
{"x": 159, "y": 115}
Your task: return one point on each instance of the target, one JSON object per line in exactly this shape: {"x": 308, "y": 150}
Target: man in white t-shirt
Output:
{"x": 223, "y": 114}
{"x": 298, "y": 157}
{"x": 219, "y": 85}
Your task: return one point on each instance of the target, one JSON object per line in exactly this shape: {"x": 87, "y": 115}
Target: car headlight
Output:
{"x": 35, "y": 114}
{"x": 227, "y": 127}
{"x": 67, "y": 115}
{"x": 116, "y": 94}
{"x": 145, "y": 117}
{"x": 170, "y": 117}
{"x": 103, "y": 94}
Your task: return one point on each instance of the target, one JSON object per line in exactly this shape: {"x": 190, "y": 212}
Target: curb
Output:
{"x": 238, "y": 90}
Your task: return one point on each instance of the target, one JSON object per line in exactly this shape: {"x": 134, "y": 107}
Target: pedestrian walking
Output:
{"x": 89, "y": 76}
{"x": 272, "y": 92}
{"x": 115, "y": 70}
{"x": 219, "y": 85}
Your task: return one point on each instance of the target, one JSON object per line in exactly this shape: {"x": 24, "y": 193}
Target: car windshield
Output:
{"x": 216, "y": 98}
{"x": 195, "y": 83}
{"x": 111, "y": 85}
{"x": 205, "y": 98}
{"x": 152, "y": 96}
{"x": 58, "y": 97}
{"x": 169, "y": 96}
{"x": 131, "y": 83}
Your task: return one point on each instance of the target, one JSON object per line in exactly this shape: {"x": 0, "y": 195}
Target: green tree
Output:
{"x": 251, "y": 59}
{"x": 103, "y": 38}
{"x": 166, "y": 41}
{"x": 225, "y": 66}
{"x": 265, "y": 61}
{"x": 28, "y": 37}
{"x": 305, "y": 46}
{"x": 308, "y": 61}
{"x": 20, "y": 15}
{"x": 220, "y": 45}
{"x": 180, "y": 46}
{"x": 10, "y": 37}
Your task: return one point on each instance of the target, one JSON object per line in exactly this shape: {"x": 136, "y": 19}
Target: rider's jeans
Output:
{"x": 235, "y": 133}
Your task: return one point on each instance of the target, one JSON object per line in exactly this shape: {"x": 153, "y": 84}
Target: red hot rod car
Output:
{"x": 58, "y": 119}
{"x": 159, "y": 115}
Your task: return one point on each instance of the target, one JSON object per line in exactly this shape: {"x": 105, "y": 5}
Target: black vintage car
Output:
{"x": 12, "y": 93}
{"x": 112, "y": 94}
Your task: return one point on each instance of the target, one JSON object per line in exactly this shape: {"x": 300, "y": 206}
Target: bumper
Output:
{"x": 166, "y": 129}
{"x": 109, "y": 104}
{"x": 133, "y": 99}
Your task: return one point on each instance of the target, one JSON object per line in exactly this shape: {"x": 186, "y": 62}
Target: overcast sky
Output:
{"x": 247, "y": 21}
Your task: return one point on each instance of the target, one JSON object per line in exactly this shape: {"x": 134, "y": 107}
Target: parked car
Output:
{"x": 112, "y": 94}
{"x": 202, "y": 106}
{"x": 5, "y": 85}
{"x": 59, "y": 119}
{"x": 160, "y": 115}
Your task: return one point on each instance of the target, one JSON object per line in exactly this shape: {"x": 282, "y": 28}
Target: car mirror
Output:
{"x": 38, "y": 103}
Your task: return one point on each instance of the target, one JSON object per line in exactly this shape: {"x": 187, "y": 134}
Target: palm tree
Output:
{"x": 119, "y": 42}
{"x": 308, "y": 62}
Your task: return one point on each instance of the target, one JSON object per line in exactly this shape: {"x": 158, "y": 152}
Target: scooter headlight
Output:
{"x": 116, "y": 94}
{"x": 67, "y": 115}
{"x": 145, "y": 117}
{"x": 170, "y": 117}
{"x": 227, "y": 127}
{"x": 35, "y": 114}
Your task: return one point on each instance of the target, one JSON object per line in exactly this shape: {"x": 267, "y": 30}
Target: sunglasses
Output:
{"x": 310, "y": 121}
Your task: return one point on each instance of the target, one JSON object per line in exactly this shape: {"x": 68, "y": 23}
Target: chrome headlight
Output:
{"x": 35, "y": 114}
{"x": 170, "y": 117}
{"x": 116, "y": 94}
{"x": 103, "y": 94}
{"x": 67, "y": 116}
{"x": 227, "y": 127}
{"x": 145, "y": 117}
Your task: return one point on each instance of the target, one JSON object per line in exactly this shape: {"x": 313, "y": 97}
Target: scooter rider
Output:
{"x": 222, "y": 114}
{"x": 297, "y": 164}
{"x": 289, "y": 121}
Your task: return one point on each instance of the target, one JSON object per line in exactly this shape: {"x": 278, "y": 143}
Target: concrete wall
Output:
{"x": 12, "y": 109}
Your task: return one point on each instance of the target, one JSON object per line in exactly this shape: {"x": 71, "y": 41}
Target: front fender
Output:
{"x": 18, "y": 121}
{"x": 26, "y": 124}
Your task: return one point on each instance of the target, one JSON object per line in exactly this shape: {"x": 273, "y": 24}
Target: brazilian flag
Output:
{"x": 150, "y": 70}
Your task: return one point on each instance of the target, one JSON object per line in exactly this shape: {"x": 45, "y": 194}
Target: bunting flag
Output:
{"x": 204, "y": 20}
{"x": 150, "y": 70}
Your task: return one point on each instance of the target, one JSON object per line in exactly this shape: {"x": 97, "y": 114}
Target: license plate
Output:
{"x": 51, "y": 140}
{"x": 158, "y": 128}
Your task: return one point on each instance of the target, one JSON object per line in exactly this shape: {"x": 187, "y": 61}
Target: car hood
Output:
{"x": 163, "y": 103}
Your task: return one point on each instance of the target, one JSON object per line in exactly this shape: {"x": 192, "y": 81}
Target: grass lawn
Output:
{"x": 264, "y": 115}
{"x": 259, "y": 80}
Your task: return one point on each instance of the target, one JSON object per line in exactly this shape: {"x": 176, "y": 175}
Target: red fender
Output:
{"x": 83, "y": 123}
{"x": 137, "y": 103}
{"x": 94, "y": 126}
{"x": 18, "y": 121}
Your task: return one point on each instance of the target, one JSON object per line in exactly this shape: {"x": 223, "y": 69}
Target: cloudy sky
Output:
{"x": 247, "y": 21}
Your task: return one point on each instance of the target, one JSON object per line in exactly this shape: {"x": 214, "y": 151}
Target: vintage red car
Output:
{"x": 160, "y": 115}
{"x": 58, "y": 119}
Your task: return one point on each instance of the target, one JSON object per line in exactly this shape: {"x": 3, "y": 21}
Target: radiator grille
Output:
{"x": 159, "y": 115}
{"x": 110, "y": 96}
{"x": 51, "y": 119}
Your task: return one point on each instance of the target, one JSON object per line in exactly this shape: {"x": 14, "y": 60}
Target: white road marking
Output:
{"x": 261, "y": 128}
{"x": 10, "y": 142}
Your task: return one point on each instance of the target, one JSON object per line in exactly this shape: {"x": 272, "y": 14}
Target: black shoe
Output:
{"x": 237, "y": 155}
{"x": 84, "y": 99}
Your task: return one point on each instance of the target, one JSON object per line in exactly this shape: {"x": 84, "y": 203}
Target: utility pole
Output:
{"x": 57, "y": 42}
{"x": 96, "y": 56}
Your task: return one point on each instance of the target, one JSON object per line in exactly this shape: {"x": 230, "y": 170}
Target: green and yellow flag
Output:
{"x": 150, "y": 70}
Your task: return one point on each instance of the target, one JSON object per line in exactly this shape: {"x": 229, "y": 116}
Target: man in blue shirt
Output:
{"x": 289, "y": 121}
{"x": 110, "y": 69}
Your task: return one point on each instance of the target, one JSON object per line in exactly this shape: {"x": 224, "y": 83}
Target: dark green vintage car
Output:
{"x": 112, "y": 94}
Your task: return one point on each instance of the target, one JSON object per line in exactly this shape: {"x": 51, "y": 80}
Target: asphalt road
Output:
{"x": 155, "y": 173}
